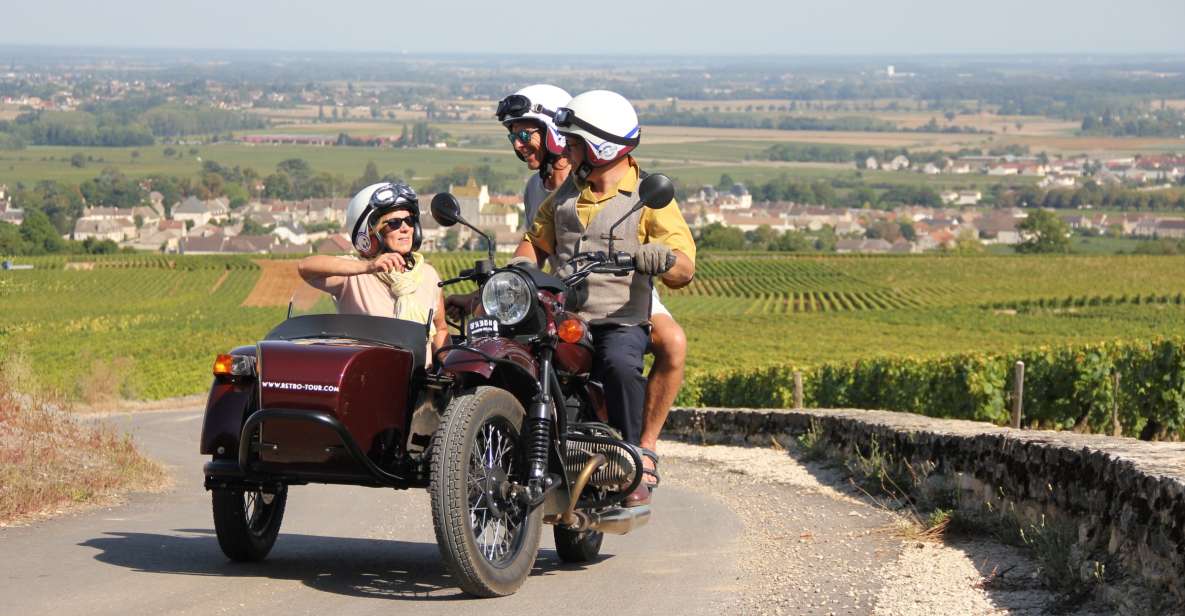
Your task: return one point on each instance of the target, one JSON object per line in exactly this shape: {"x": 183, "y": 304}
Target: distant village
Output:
{"x": 1054, "y": 173}
{"x": 195, "y": 226}
{"x": 934, "y": 228}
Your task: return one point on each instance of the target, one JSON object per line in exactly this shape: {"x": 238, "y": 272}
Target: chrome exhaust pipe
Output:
{"x": 620, "y": 521}
{"x": 617, "y": 521}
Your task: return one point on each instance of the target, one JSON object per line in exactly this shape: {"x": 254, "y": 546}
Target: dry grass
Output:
{"x": 51, "y": 461}
{"x": 107, "y": 382}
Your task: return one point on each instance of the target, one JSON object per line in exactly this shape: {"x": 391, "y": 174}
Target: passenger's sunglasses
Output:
{"x": 523, "y": 136}
{"x": 393, "y": 224}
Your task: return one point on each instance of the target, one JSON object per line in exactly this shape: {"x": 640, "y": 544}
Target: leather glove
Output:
{"x": 653, "y": 259}
{"x": 523, "y": 262}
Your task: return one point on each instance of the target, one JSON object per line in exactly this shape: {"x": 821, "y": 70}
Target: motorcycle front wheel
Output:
{"x": 487, "y": 538}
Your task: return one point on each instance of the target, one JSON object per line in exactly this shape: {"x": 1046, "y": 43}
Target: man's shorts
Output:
{"x": 656, "y": 306}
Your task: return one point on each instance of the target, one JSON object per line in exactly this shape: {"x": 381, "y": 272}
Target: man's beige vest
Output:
{"x": 623, "y": 300}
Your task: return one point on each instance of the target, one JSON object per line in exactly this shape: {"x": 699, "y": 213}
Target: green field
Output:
{"x": 750, "y": 311}
{"x": 34, "y": 164}
{"x": 690, "y": 164}
{"x": 147, "y": 327}
{"x": 148, "y": 331}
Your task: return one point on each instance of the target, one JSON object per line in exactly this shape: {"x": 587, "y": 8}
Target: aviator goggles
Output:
{"x": 513, "y": 106}
{"x": 393, "y": 194}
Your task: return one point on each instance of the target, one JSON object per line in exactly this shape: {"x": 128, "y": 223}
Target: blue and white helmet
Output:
{"x": 605, "y": 120}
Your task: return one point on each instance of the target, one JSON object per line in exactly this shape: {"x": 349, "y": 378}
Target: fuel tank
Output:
{"x": 364, "y": 387}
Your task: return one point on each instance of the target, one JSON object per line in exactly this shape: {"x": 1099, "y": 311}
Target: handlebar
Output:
{"x": 586, "y": 263}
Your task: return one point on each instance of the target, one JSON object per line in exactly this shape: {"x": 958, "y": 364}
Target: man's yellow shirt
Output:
{"x": 665, "y": 226}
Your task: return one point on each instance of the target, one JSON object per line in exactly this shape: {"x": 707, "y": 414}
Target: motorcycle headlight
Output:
{"x": 506, "y": 296}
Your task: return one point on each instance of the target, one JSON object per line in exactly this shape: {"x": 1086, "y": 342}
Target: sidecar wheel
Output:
{"x": 487, "y": 538}
{"x": 247, "y": 521}
{"x": 575, "y": 546}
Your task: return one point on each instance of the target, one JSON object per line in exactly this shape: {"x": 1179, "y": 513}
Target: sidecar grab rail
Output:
{"x": 317, "y": 417}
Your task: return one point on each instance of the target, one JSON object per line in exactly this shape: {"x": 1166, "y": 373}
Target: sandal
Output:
{"x": 651, "y": 472}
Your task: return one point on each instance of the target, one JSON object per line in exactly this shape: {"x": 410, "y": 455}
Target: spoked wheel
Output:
{"x": 247, "y": 521}
{"x": 487, "y": 538}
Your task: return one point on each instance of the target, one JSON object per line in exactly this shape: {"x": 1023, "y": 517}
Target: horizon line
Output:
{"x": 1176, "y": 54}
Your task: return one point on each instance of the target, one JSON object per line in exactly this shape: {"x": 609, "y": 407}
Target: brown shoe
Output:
{"x": 640, "y": 496}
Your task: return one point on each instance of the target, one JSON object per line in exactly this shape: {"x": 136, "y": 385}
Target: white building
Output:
{"x": 191, "y": 209}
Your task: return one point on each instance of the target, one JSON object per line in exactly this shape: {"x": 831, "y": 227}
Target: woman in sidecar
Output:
{"x": 330, "y": 398}
{"x": 388, "y": 278}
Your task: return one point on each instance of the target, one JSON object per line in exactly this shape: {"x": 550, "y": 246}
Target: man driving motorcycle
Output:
{"x": 388, "y": 278}
{"x": 601, "y": 129}
{"x": 538, "y": 142}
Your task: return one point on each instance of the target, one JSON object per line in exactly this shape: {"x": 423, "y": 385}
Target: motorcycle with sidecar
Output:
{"x": 503, "y": 427}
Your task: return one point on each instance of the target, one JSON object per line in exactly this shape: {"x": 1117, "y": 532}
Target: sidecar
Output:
{"x": 323, "y": 398}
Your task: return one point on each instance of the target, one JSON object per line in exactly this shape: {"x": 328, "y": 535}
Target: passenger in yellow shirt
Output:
{"x": 601, "y": 129}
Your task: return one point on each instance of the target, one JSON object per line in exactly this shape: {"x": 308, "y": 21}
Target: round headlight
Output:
{"x": 506, "y": 296}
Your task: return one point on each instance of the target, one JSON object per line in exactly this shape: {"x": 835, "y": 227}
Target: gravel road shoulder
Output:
{"x": 812, "y": 545}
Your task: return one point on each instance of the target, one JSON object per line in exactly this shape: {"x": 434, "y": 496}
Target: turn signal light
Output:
{"x": 234, "y": 365}
{"x": 571, "y": 330}
{"x": 223, "y": 364}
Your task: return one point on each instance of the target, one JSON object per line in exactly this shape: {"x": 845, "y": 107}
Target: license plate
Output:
{"x": 482, "y": 327}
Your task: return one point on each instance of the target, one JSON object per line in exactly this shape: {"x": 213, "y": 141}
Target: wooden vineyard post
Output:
{"x": 1018, "y": 391}
{"x": 1116, "y": 428}
{"x": 797, "y": 389}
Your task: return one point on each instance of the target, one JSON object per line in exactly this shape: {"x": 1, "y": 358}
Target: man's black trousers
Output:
{"x": 617, "y": 364}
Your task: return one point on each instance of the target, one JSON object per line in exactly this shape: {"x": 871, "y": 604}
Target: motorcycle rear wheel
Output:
{"x": 247, "y": 521}
{"x": 488, "y": 540}
{"x": 576, "y": 546}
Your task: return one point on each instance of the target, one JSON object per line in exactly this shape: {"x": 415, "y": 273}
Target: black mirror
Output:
{"x": 656, "y": 191}
{"x": 445, "y": 209}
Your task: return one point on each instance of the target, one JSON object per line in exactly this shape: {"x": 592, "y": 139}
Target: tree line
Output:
{"x": 124, "y": 128}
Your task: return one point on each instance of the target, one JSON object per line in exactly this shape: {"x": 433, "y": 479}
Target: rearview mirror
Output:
{"x": 656, "y": 191}
{"x": 445, "y": 209}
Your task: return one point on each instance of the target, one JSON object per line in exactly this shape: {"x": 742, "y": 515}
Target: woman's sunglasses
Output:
{"x": 393, "y": 224}
{"x": 523, "y": 136}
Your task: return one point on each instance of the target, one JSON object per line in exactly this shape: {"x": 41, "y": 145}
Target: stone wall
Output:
{"x": 1125, "y": 497}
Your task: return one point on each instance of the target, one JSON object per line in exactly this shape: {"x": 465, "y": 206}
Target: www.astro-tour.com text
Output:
{"x": 313, "y": 387}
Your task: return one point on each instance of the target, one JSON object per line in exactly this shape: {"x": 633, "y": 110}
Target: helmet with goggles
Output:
{"x": 605, "y": 121}
{"x": 537, "y": 104}
{"x": 365, "y": 209}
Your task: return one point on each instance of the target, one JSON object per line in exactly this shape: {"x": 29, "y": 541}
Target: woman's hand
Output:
{"x": 457, "y": 306}
{"x": 387, "y": 262}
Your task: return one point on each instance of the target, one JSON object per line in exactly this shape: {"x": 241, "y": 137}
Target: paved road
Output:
{"x": 342, "y": 550}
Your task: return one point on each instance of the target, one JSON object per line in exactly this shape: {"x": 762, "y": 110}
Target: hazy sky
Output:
{"x": 701, "y": 27}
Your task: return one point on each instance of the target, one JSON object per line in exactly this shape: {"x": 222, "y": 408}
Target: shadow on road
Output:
{"x": 375, "y": 568}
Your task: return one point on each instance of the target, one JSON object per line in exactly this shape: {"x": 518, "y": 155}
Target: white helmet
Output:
{"x": 537, "y": 103}
{"x": 374, "y": 201}
{"x": 606, "y": 121}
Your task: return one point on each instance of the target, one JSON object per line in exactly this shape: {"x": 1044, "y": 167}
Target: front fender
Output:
{"x": 227, "y": 406}
{"x": 459, "y": 362}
